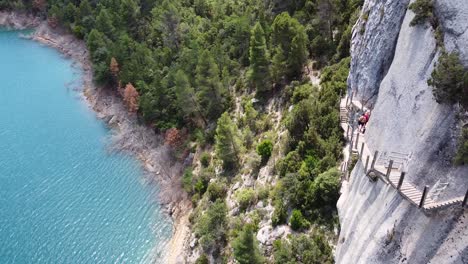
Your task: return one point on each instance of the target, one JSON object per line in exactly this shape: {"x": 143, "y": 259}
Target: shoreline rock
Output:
{"x": 126, "y": 133}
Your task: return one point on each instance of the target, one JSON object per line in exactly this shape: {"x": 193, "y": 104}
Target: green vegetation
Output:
{"x": 196, "y": 66}
{"x": 245, "y": 247}
{"x": 211, "y": 227}
{"x": 315, "y": 142}
{"x": 245, "y": 198}
{"x": 462, "y": 154}
{"x": 449, "y": 80}
{"x": 297, "y": 221}
{"x": 228, "y": 144}
{"x": 422, "y": 12}
{"x": 313, "y": 249}
{"x": 187, "y": 180}
{"x": 264, "y": 149}
{"x": 205, "y": 159}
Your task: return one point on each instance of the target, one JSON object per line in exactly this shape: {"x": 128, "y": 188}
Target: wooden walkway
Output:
{"x": 389, "y": 168}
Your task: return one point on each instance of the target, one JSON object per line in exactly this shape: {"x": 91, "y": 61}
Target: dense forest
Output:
{"x": 183, "y": 64}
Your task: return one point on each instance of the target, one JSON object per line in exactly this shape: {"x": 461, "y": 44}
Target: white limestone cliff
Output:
{"x": 391, "y": 62}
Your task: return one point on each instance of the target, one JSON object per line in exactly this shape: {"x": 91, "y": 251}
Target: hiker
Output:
{"x": 362, "y": 121}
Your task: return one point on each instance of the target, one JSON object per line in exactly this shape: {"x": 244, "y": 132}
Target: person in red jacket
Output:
{"x": 362, "y": 121}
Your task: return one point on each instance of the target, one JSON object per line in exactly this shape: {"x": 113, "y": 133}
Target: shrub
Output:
{"x": 216, "y": 191}
{"x": 245, "y": 198}
{"x": 203, "y": 259}
{"x": 254, "y": 162}
{"x": 353, "y": 161}
{"x": 449, "y": 80}
{"x": 324, "y": 191}
{"x": 462, "y": 154}
{"x": 245, "y": 247}
{"x": 312, "y": 248}
{"x": 264, "y": 149}
{"x": 297, "y": 220}
{"x": 422, "y": 10}
{"x": 205, "y": 159}
{"x": 212, "y": 225}
{"x": 263, "y": 193}
{"x": 280, "y": 213}
{"x": 290, "y": 164}
{"x": 187, "y": 180}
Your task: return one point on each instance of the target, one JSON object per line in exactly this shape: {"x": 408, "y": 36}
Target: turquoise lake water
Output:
{"x": 63, "y": 197}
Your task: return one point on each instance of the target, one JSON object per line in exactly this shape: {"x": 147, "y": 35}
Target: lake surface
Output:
{"x": 63, "y": 197}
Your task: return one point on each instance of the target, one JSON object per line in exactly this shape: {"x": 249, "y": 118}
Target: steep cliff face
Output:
{"x": 391, "y": 62}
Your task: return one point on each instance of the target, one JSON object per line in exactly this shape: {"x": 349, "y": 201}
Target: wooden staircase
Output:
{"x": 389, "y": 167}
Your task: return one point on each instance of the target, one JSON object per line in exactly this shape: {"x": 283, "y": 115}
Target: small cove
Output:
{"x": 63, "y": 197}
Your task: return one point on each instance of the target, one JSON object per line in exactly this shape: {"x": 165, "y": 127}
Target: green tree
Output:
{"x": 311, "y": 249}
{"x": 210, "y": 91}
{"x": 264, "y": 149}
{"x": 289, "y": 35}
{"x": 422, "y": 12}
{"x": 211, "y": 226}
{"x": 259, "y": 59}
{"x": 245, "y": 247}
{"x": 104, "y": 23}
{"x": 228, "y": 145}
{"x": 297, "y": 220}
{"x": 449, "y": 80}
{"x": 462, "y": 154}
{"x": 186, "y": 97}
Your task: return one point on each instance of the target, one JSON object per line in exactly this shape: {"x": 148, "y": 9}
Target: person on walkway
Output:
{"x": 362, "y": 121}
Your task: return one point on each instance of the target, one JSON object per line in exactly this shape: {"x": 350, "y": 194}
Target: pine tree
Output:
{"x": 245, "y": 247}
{"x": 186, "y": 97}
{"x": 104, "y": 23}
{"x": 259, "y": 59}
{"x": 228, "y": 144}
{"x": 291, "y": 41}
{"x": 298, "y": 55}
{"x": 210, "y": 91}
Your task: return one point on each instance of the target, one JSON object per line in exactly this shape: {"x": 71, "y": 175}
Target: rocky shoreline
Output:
{"x": 127, "y": 133}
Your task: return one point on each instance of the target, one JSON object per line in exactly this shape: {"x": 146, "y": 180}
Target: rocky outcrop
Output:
{"x": 18, "y": 20}
{"x": 377, "y": 225}
{"x": 372, "y": 46}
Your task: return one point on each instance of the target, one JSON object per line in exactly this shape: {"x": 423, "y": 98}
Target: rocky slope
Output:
{"x": 391, "y": 62}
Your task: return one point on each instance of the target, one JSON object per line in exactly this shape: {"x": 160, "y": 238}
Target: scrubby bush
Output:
{"x": 187, "y": 183}
{"x": 280, "y": 214}
{"x": 354, "y": 160}
{"x": 423, "y": 12}
{"x": 312, "y": 249}
{"x": 245, "y": 247}
{"x": 203, "y": 259}
{"x": 324, "y": 191}
{"x": 216, "y": 191}
{"x": 462, "y": 154}
{"x": 254, "y": 162}
{"x": 263, "y": 193}
{"x": 449, "y": 80}
{"x": 264, "y": 149}
{"x": 297, "y": 221}
{"x": 290, "y": 164}
{"x": 245, "y": 198}
{"x": 205, "y": 159}
{"x": 211, "y": 226}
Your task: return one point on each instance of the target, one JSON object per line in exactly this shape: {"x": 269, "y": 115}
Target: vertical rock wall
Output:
{"x": 377, "y": 224}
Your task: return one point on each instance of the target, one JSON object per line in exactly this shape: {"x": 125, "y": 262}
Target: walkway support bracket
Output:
{"x": 465, "y": 199}
{"x": 423, "y": 197}
{"x": 374, "y": 159}
{"x": 367, "y": 164}
{"x": 389, "y": 169}
{"x": 362, "y": 151}
{"x": 400, "y": 181}
{"x": 357, "y": 140}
